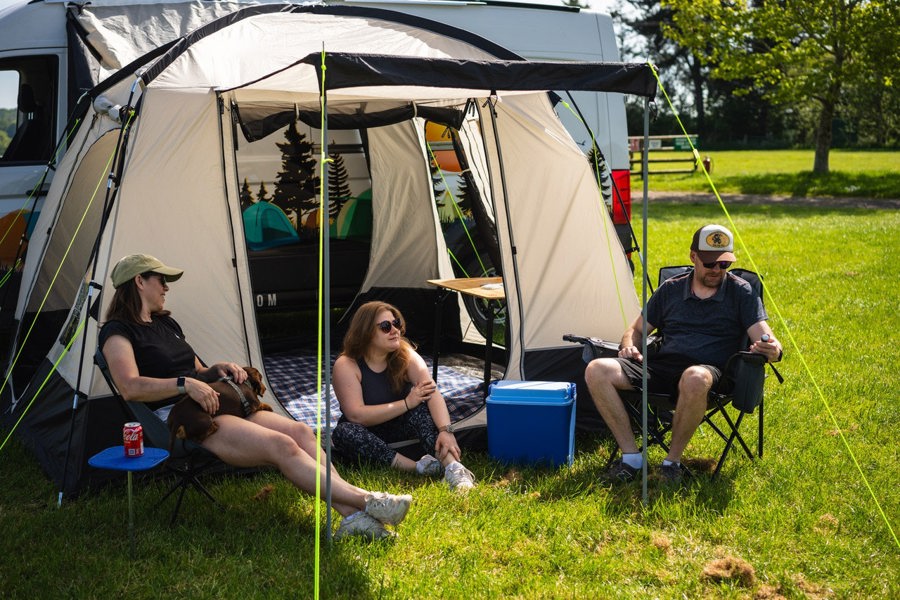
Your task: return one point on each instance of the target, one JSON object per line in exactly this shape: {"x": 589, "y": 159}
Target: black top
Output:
{"x": 160, "y": 350}
{"x": 709, "y": 330}
{"x": 376, "y": 387}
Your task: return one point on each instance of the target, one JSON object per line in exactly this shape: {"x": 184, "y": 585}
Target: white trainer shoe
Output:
{"x": 362, "y": 525}
{"x": 388, "y": 508}
{"x": 458, "y": 477}
{"x": 429, "y": 466}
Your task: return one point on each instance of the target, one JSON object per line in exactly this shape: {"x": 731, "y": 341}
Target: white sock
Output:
{"x": 668, "y": 463}
{"x": 635, "y": 460}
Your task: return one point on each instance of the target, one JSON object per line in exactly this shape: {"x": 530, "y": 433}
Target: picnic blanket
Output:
{"x": 292, "y": 378}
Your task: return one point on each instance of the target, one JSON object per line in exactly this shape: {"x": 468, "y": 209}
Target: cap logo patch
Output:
{"x": 717, "y": 239}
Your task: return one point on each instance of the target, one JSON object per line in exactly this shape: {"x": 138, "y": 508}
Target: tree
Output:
{"x": 795, "y": 52}
{"x": 296, "y": 185}
{"x": 338, "y": 186}
{"x": 246, "y": 195}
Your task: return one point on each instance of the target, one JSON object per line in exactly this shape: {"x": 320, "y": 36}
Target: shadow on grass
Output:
{"x": 807, "y": 184}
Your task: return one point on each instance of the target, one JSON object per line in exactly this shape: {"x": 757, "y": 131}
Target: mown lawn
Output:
{"x": 803, "y": 522}
{"x": 864, "y": 174}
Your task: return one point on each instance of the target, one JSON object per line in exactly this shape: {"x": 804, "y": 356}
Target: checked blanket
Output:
{"x": 292, "y": 379}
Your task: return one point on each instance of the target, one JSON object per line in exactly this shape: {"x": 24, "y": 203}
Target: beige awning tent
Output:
{"x": 176, "y": 191}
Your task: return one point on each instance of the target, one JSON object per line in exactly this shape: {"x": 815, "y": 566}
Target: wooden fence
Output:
{"x": 666, "y": 154}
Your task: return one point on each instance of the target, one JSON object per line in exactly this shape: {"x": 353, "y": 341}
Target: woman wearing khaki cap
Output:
{"x": 151, "y": 362}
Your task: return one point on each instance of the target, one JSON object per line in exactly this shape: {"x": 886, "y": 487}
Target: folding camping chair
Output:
{"x": 187, "y": 460}
{"x": 660, "y": 407}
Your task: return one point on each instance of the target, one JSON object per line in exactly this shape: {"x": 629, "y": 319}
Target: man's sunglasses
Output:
{"x": 385, "y": 326}
{"x": 723, "y": 264}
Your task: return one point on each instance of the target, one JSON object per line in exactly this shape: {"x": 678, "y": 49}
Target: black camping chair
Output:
{"x": 187, "y": 460}
{"x": 746, "y": 369}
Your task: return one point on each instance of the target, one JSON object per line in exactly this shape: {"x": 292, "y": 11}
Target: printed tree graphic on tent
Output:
{"x": 246, "y": 195}
{"x": 338, "y": 186}
{"x": 263, "y": 194}
{"x": 296, "y": 185}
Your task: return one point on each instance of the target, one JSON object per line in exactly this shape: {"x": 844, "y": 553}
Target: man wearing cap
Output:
{"x": 705, "y": 313}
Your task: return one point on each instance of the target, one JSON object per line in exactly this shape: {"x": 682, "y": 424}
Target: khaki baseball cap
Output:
{"x": 713, "y": 242}
{"x": 135, "y": 264}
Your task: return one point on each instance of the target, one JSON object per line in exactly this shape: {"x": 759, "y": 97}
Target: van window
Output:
{"x": 27, "y": 108}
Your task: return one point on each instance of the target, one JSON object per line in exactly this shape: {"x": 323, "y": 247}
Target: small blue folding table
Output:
{"x": 114, "y": 458}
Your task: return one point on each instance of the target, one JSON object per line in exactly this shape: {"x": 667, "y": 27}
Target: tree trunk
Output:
{"x": 823, "y": 137}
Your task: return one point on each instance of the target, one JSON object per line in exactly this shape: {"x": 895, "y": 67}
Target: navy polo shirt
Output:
{"x": 705, "y": 331}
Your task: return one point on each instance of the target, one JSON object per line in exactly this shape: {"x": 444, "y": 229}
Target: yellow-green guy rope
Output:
{"x": 609, "y": 246}
{"x": 774, "y": 305}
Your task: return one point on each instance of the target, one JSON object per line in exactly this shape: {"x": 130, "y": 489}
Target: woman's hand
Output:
{"x": 229, "y": 369}
{"x": 446, "y": 445}
{"x": 202, "y": 394}
{"x": 421, "y": 392}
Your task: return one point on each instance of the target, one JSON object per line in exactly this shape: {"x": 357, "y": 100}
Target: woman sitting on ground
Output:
{"x": 387, "y": 395}
{"x": 151, "y": 362}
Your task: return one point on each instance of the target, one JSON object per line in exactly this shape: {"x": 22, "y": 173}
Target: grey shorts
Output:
{"x": 663, "y": 375}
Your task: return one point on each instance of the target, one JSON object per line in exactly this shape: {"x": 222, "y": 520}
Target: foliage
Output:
{"x": 795, "y": 52}
{"x": 263, "y": 194}
{"x": 7, "y": 127}
{"x": 802, "y": 517}
{"x": 338, "y": 185}
{"x": 296, "y": 184}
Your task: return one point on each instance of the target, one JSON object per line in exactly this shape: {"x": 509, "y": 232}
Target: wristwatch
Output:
{"x": 180, "y": 383}
{"x": 447, "y": 428}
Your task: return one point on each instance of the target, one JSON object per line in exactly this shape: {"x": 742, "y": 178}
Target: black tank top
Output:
{"x": 376, "y": 387}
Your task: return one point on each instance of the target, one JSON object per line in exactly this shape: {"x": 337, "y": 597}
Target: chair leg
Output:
{"x": 759, "y": 439}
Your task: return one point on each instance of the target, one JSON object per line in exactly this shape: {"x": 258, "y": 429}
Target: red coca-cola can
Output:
{"x": 133, "y": 435}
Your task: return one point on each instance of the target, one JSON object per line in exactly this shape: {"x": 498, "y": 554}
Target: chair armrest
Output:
{"x": 593, "y": 347}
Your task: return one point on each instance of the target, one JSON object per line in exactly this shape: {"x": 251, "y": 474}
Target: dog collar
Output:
{"x": 245, "y": 404}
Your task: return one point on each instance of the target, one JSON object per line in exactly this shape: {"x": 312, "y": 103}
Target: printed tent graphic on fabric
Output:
{"x": 266, "y": 226}
{"x": 225, "y": 83}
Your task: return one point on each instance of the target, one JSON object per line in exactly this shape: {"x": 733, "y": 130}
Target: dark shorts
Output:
{"x": 663, "y": 375}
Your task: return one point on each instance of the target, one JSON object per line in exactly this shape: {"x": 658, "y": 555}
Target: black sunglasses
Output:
{"x": 385, "y": 326}
{"x": 723, "y": 264}
{"x": 149, "y": 274}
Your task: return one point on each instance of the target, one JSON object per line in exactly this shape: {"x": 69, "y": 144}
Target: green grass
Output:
{"x": 802, "y": 517}
{"x": 864, "y": 174}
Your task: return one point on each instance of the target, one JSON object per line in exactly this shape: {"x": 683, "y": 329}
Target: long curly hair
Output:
{"x": 361, "y": 331}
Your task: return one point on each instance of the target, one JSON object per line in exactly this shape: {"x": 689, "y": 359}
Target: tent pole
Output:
{"x": 512, "y": 242}
{"x": 644, "y": 279}
{"x": 326, "y": 295}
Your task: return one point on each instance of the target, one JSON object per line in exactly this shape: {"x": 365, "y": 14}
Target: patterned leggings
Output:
{"x": 370, "y": 444}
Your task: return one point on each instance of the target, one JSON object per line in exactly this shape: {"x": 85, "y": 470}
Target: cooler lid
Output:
{"x": 529, "y": 391}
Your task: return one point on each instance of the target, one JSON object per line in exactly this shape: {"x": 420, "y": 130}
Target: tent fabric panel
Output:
{"x": 562, "y": 272}
{"x": 171, "y": 203}
{"x": 404, "y": 238}
{"x": 262, "y": 50}
{"x": 373, "y": 70}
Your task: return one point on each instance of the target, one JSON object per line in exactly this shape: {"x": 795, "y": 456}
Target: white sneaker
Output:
{"x": 429, "y": 466}
{"x": 362, "y": 525}
{"x": 458, "y": 477}
{"x": 388, "y": 508}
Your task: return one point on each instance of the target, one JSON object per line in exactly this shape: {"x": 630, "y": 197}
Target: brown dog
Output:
{"x": 188, "y": 420}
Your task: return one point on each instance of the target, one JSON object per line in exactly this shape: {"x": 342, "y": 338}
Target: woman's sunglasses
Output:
{"x": 723, "y": 264}
{"x": 385, "y": 326}
{"x": 149, "y": 274}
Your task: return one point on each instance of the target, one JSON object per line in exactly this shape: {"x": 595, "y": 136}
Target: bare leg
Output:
{"x": 604, "y": 377}
{"x": 692, "y": 392}
{"x": 245, "y": 443}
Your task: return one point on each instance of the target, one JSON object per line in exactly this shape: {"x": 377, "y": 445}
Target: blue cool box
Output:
{"x": 531, "y": 422}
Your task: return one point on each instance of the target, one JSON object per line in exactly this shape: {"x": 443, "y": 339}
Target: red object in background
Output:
{"x": 133, "y": 436}
{"x": 621, "y": 187}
